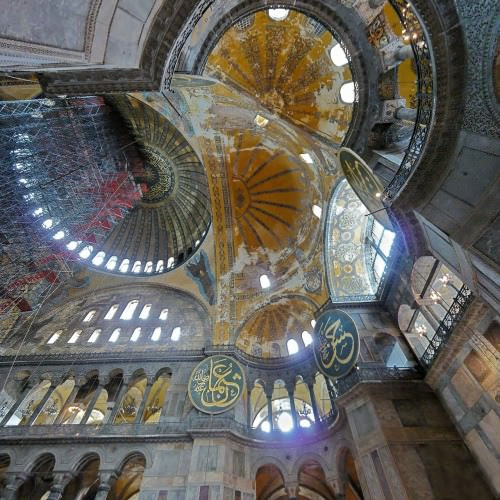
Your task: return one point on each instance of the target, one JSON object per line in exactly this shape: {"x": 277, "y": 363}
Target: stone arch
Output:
{"x": 270, "y": 482}
{"x": 83, "y": 459}
{"x": 312, "y": 477}
{"x": 145, "y": 454}
{"x": 308, "y": 457}
{"x": 40, "y": 476}
{"x": 269, "y": 460}
{"x": 130, "y": 475}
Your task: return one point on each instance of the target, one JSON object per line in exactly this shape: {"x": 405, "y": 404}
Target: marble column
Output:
{"x": 91, "y": 404}
{"x": 16, "y": 405}
{"x": 106, "y": 481}
{"x": 12, "y": 484}
{"x": 293, "y": 410}
{"x": 36, "y": 412}
{"x": 314, "y": 405}
{"x": 118, "y": 400}
{"x": 270, "y": 410}
{"x": 142, "y": 406}
{"x": 69, "y": 400}
{"x": 61, "y": 480}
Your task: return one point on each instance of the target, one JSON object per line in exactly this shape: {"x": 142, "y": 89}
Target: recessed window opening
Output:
{"x": 307, "y": 338}
{"x": 95, "y": 335}
{"x": 74, "y": 337}
{"x": 261, "y": 121}
{"x": 73, "y": 245}
{"x": 164, "y": 314}
{"x": 54, "y": 337}
{"x": 317, "y": 211}
{"x": 145, "y": 312}
{"x": 347, "y": 93}
{"x": 124, "y": 266}
{"x": 115, "y": 335}
{"x": 307, "y": 158}
{"x": 176, "y": 334}
{"x": 47, "y": 224}
{"x": 38, "y": 211}
{"x": 111, "y": 264}
{"x": 338, "y": 55}
{"x": 129, "y": 310}
{"x": 99, "y": 258}
{"x": 159, "y": 266}
{"x": 156, "y": 334}
{"x": 265, "y": 426}
{"x": 278, "y": 14}
{"x": 264, "y": 281}
{"x": 86, "y": 251}
{"x": 59, "y": 235}
{"x": 89, "y": 316}
{"x": 313, "y": 323}
{"x": 111, "y": 311}
{"x": 137, "y": 267}
{"x": 196, "y": 243}
{"x": 148, "y": 268}
{"x": 292, "y": 346}
{"x": 170, "y": 262}
{"x": 136, "y": 334}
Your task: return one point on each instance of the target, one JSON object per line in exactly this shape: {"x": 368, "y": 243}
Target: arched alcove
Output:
{"x": 269, "y": 483}
{"x": 313, "y": 483}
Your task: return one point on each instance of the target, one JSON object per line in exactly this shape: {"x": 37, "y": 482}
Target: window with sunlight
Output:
{"x": 292, "y": 346}
{"x": 128, "y": 312}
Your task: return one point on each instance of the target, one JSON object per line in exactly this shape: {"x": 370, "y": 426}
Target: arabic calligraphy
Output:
{"x": 336, "y": 345}
{"x": 216, "y": 384}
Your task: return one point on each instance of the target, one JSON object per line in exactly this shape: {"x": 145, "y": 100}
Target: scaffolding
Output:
{"x": 66, "y": 170}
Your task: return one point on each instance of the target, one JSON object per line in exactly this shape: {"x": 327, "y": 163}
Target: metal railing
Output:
{"x": 455, "y": 313}
{"x": 425, "y": 97}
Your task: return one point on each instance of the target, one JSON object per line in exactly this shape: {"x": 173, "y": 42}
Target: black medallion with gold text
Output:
{"x": 336, "y": 343}
{"x": 216, "y": 384}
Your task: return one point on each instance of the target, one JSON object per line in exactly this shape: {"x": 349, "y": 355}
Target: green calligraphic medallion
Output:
{"x": 365, "y": 184}
{"x": 336, "y": 343}
{"x": 216, "y": 384}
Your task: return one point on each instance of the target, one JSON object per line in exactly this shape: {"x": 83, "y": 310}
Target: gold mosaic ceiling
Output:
{"x": 286, "y": 66}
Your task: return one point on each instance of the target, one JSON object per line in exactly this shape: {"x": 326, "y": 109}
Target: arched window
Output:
{"x": 145, "y": 312}
{"x": 148, "y": 268}
{"x": 278, "y": 14}
{"x": 95, "y": 335}
{"x": 128, "y": 312}
{"x": 156, "y": 334}
{"x": 347, "y": 93}
{"x": 124, "y": 266}
{"x": 307, "y": 338}
{"x": 86, "y": 251}
{"x": 317, "y": 211}
{"x": 89, "y": 316}
{"x": 313, "y": 323}
{"x": 111, "y": 311}
{"x": 176, "y": 333}
{"x": 111, "y": 264}
{"x": 115, "y": 335}
{"x": 74, "y": 337}
{"x": 59, "y": 235}
{"x": 137, "y": 267}
{"x": 164, "y": 314}
{"x": 54, "y": 337}
{"x": 73, "y": 245}
{"x": 292, "y": 346}
{"x": 338, "y": 55}
{"x": 99, "y": 258}
{"x": 136, "y": 334}
{"x": 47, "y": 224}
{"x": 159, "y": 266}
{"x": 264, "y": 281}
{"x": 170, "y": 262}
{"x": 381, "y": 240}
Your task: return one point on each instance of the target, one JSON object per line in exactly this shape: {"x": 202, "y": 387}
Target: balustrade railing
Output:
{"x": 425, "y": 97}
{"x": 447, "y": 325}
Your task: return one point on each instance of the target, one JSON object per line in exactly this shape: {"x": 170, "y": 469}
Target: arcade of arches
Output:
{"x": 173, "y": 194}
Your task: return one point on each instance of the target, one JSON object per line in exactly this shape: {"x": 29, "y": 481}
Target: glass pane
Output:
{"x": 386, "y": 242}
{"x": 379, "y": 266}
{"x": 377, "y": 231}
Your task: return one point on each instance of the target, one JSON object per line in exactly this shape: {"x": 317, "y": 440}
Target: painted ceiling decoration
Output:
{"x": 266, "y": 332}
{"x": 348, "y": 276}
{"x": 287, "y": 67}
{"x": 173, "y": 217}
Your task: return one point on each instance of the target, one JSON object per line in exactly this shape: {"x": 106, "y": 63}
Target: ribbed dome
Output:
{"x": 173, "y": 217}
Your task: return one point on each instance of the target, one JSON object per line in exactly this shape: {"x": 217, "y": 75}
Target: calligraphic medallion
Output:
{"x": 336, "y": 343}
{"x": 216, "y": 384}
{"x": 365, "y": 184}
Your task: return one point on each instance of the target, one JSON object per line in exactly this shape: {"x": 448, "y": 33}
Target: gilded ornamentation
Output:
{"x": 216, "y": 384}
